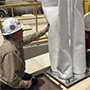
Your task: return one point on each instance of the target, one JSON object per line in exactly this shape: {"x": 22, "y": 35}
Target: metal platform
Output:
{"x": 69, "y": 82}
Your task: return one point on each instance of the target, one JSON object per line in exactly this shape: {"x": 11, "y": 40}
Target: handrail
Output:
{"x": 12, "y": 5}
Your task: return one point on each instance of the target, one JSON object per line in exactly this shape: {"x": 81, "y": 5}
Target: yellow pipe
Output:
{"x": 31, "y": 4}
{"x": 86, "y": 6}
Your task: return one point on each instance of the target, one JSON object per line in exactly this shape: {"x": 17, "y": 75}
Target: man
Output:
{"x": 12, "y": 64}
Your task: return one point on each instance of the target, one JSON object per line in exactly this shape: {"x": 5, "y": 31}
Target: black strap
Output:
{"x": 6, "y": 87}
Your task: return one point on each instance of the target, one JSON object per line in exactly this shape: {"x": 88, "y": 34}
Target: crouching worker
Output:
{"x": 12, "y": 64}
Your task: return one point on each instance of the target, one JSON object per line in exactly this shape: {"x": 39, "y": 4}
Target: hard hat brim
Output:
{"x": 9, "y": 33}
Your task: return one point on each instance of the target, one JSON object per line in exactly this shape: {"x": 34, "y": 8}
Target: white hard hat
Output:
{"x": 87, "y": 21}
{"x": 10, "y": 26}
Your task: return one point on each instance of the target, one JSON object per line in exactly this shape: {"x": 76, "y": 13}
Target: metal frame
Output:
{"x": 33, "y": 4}
{"x": 68, "y": 82}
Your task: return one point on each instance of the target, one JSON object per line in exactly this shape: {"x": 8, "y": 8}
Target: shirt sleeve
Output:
{"x": 10, "y": 67}
{"x": 27, "y": 39}
{"x": 35, "y": 36}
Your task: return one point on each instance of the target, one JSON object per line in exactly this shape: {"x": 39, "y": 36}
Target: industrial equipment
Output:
{"x": 67, "y": 55}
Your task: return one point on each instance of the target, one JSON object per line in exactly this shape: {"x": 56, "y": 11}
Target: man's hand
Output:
{"x": 27, "y": 83}
{"x": 47, "y": 28}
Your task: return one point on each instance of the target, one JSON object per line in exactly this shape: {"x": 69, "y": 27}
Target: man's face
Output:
{"x": 18, "y": 36}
